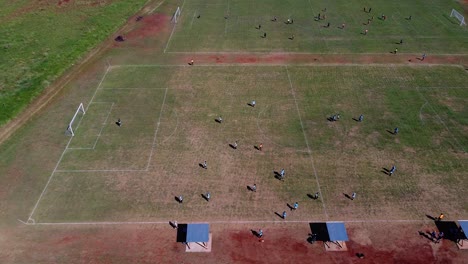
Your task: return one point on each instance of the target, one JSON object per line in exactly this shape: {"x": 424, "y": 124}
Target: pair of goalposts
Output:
{"x": 454, "y": 13}
{"x": 174, "y": 18}
{"x": 458, "y": 16}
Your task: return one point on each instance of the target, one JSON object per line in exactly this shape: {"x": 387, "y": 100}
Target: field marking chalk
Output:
{"x": 222, "y": 222}
{"x": 441, "y": 121}
{"x": 306, "y": 141}
{"x": 99, "y": 86}
{"x": 420, "y": 112}
{"x": 63, "y": 153}
{"x": 152, "y": 10}
{"x": 103, "y": 170}
{"x": 156, "y": 130}
{"x": 103, "y": 126}
{"x": 170, "y": 37}
{"x": 191, "y": 23}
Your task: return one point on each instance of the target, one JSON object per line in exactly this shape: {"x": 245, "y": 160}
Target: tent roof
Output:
{"x": 337, "y": 231}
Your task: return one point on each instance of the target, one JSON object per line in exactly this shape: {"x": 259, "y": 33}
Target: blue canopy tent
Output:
{"x": 198, "y": 233}
{"x": 337, "y": 232}
{"x": 464, "y": 230}
{"x": 329, "y": 232}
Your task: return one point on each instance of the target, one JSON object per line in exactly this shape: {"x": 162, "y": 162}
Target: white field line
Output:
{"x": 173, "y": 28}
{"x": 152, "y": 10}
{"x": 221, "y": 222}
{"x": 63, "y": 153}
{"x": 156, "y": 131}
{"x": 307, "y": 143}
{"x": 99, "y": 86}
{"x": 49, "y": 180}
{"x": 420, "y": 112}
{"x": 441, "y": 120}
{"x": 80, "y": 148}
{"x": 193, "y": 17}
{"x": 312, "y": 64}
{"x": 103, "y": 125}
{"x": 170, "y": 37}
{"x": 227, "y": 16}
{"x": 134, "y": 88}
{"x": 302, "y": 53}
{"x": 104, "y": 170}
{"x": 175, "y": 129}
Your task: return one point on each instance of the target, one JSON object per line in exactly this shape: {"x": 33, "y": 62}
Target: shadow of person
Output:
{"x": 255, "y": 233}
{"x": 279, "y": 215}
{"x": 347, "y": 196}
{"x": 204, "y": 197}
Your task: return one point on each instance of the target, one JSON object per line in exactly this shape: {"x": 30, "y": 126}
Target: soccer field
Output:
{"x": 134, "y": 172}
{"x": 233, "y": 26}
{"x": 109, "y": 192}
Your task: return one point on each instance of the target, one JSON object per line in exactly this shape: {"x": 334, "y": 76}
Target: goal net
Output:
{"x": 70, "y": 125}
{"x": 458, "y": 16}
{"x": 176, "y": 15}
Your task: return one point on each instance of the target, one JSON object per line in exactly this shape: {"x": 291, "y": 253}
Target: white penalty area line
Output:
{"x": 156, "y": 131}
{"x": 441, "y": 121}
{"x": 217, "y": 222}
{"x": 63, "y": 153}
{"x": 306, "y": 141}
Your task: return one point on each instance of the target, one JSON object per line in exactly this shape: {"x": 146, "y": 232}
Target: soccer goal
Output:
{"x": 70, "y": 125}
{"x": 176, "y": 15}
{"x": 458, "y": 16}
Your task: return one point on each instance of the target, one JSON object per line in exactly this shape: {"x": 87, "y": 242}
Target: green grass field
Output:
{"x": 111, "y": 173}
{"x": 233, "y": 26}
{"x": 41, "y": 40}
{"x": 81, "y": 195}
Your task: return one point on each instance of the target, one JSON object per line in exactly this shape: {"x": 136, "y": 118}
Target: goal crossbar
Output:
{"x": 458, "y": 16}
{"x": 70, "y": 125}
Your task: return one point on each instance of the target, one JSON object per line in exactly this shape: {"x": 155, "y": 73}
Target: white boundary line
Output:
{"x": 173, "y": 28}
{"x": 226, "y": 19}
{"x": 193, "y": 18}
{"x": 303, "y": 53}
{"x": 311, "y": 64}
{"x": 134, "y": 88}
{"x": 307, "y": 143}
{"x": 170, "y": 37}
{"x": 441, "y": 121}
{"x": 103, "y": 125}
{"x": 156, "y": 131}
{"x": 222, "y": 222}
{"x": 114, "y": 170}
{"x": 99, "y": 86}
{"x": 152, "y": 10}
{"x": 63, "y": 153}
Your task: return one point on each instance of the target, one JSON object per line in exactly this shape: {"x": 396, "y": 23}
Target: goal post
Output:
{"x": 70, "y": 125}
{"x": 176, "y": 15}
{"x": 458, "y": 16}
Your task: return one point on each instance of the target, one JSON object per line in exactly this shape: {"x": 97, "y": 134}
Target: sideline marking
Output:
{"x": 103, "y": 125}
{"x": 220, "y": 222}
{"x": 156, "y": 131}
{"x": 441, "y": 120}
{"x": 307, "y": 143}
{"x": 63, "y": 153}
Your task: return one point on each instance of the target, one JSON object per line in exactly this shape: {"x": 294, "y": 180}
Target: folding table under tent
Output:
{"x": 463, "y": 235}
{"x": 193, "y": 233}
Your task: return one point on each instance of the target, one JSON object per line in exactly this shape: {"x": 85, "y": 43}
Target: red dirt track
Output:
{"x": 380, "y": 243}
{"x": 320, "y": 59}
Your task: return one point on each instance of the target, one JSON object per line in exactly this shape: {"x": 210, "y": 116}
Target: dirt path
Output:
{"x": 53, "y": 90}
{"x": 319, "y": 59}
